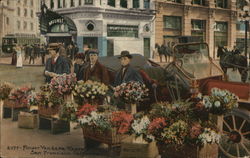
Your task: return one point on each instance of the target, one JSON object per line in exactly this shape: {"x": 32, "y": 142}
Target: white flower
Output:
{"x": 217, "y": 104}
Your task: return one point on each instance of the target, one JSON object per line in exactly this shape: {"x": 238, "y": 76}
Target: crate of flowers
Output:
{"x": 49, "y": 102}
{"x": 91, "y": 92}
{"x": 19, "y": 97}
{"x": 108, "y": 127}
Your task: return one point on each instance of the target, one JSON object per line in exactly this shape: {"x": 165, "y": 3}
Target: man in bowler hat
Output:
{"x": 94, "y": 70}
{"x": 126, "y": 73}
{"x": 55, "y": 65}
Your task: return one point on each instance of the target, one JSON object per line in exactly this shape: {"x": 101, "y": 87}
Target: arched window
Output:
{"x": 72, "y": 3}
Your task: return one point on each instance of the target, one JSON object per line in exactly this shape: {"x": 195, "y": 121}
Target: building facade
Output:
{"x": 107, "y": 25}
{"x": 213, "y": 21}
{"x": 18, "y": 19}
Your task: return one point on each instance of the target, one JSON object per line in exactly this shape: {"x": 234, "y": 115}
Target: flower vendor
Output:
{"x": 55, "y": 65}
{"x": 94, "y": 70}
{"x": 79, "y": 66}
{"x": 126, "y": 73}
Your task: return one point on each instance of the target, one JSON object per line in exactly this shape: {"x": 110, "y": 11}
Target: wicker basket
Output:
{"x": 48, "y": 111}
{"x": 109, "y": 137}
{"x": 189, "y": 151}
{"x": 8, "y": 103}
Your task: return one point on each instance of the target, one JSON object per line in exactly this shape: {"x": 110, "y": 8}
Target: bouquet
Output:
{"x": 20, "y": 95}
{"x": 69, "y": 112}
{"x": 32, "y": 99}
{"x": 5, "y": 89}
{"x": 131, "y": 92}
{"x": 209, "y": 136}
{"x": 89, "y": 90}
{"x": 122, "y": 121}
{"x": 63, "y": 84}
{"x": 220, "y": 101}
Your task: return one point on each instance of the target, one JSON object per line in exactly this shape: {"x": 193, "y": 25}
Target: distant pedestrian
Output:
{"x": 43, "y": 53}
{"x": 32, "y": 54}
{"x": 19, "y": 63}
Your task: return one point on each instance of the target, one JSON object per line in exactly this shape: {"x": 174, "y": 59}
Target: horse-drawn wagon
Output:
{"x": 191, "y": 71}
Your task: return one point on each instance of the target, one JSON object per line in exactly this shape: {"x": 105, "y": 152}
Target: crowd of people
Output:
{"x": 87, "y": 67}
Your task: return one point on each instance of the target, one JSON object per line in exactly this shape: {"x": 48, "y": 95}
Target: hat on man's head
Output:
{"x": 125, "y": 53}
{"x": 80, "y": 56}
{"x": 93, "y": 51}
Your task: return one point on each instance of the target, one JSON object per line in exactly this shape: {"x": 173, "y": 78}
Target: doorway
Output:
{"x": 91, "y": 41}
{"x": 146, "y": 45}
{"x": 110, "y": 47}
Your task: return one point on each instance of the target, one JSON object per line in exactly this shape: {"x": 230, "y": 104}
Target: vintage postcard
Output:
{"x": 124, "y": 79}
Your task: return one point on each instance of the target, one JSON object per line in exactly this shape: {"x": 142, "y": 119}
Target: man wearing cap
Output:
{"x": 126, "y": 73}
{"x": 55, "y": 65}
{"x": 94, "y": 70}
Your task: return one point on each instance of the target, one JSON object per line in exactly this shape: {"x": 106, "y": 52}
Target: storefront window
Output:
{"x": 220, "y": 34}
{"x": 59, "y": 28}
{"x": 89, "y": 2}
{"x": 122, "y": 31}
{"x": 111, "y": 3}
{"x": 199, "y": 29}
{"x": 198, "y": 2}
{"x": 240, "y": 26}
{"x": 146, "y": 4}
{"x": 123, "y": 3}
{"x": 136, "y": 4}
{"x": 172, "y": 22}
{"x": 221, "y": 3}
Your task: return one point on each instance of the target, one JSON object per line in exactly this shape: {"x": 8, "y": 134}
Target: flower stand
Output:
{"x": 130, "y": 149}
{"x": 189, "y": 151}
{"x": 12, "y": 109}
{"x": 27, "y": 120}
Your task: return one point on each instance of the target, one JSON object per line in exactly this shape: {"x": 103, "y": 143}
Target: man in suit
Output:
{"x": 55, "y": 65}
{"x": 94, "y": 70}
{"x": 126, "y": 73}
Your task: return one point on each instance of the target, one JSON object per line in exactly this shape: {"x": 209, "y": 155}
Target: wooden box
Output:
{"x": 56, "y": 126}
{"x": 129, "y": 149}
{"x": 27, "y": 120}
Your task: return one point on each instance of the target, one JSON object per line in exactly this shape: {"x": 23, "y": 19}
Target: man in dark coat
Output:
{"x": 94, "y": 70}
{"x": 126, "y": 73}
{"x": 55, "y": 65}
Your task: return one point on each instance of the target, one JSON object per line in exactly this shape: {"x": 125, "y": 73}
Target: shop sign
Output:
{"x": 56, "y": 21}
{"x": 122, "y": 31}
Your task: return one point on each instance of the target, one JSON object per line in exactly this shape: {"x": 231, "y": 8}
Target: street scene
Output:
{"x": 124, "y": 79}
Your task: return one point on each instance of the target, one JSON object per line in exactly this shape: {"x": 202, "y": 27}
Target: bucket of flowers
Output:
{"x": 220, "y": 101}
{"x": 49, "y": 102}
{"x": 131, "y": 93}
{"x": 91, "y": 92}
{"x": 5, "y": 89}
{"x": 64, "y": 85}
{"x": 20, "y": 96}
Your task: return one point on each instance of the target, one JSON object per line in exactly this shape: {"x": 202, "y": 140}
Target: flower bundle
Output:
{"x": 20, "y": 95}
{"x": 89, "y": 90}
{"x": 86, "y": 109}
{"x": 131, "y": 92}
{"x": 32, "y": 99}
{"x": 63, "y": 84}
{"x": 122, "y": 121}
{"x": 220, "y": 101}
{"x": 209, "y": 136}
{"x": 5, "y": 89}
{"x": 69, "y": 112}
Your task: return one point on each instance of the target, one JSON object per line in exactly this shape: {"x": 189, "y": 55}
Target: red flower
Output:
{"x": 86, "y": 110}
{"x": 195, "y": 130}
{"x": 157, "y": 123}
{"x": 122, "y": 121}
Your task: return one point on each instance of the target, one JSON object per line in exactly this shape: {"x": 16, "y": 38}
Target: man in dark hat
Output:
{"x": 55, "y": 65}
{"x": 126, "y": 73}
{"x": 94, "y": 70}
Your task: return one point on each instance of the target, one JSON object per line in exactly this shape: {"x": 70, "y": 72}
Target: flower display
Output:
{"x": 89, "y": 90}
{"x": 122, "y": 121}
{"x": 131, "y": 92}
{"x": 86, "y": 110}
{"x": 32, "y": 99}
{"x": 209, "y": 136}
{"x": 69, "y": 112}
{"x": 176, "y": 133}
{"x": 20, "y": 95}
{"x": 5, "y": 89}
{"x": 63, "y": 84}
{"x": 157, "y": 124}
{"x": 220, "y": 101}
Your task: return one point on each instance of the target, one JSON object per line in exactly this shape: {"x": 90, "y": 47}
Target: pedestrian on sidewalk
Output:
{"x": 19, "y": 63}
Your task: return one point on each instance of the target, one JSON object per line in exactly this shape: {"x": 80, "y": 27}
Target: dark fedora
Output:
{"x": 93, "y": 51}
{"x": 125, "y": 53}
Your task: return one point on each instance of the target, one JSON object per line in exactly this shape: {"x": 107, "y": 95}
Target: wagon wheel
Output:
{"x": 235, "y": 140}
